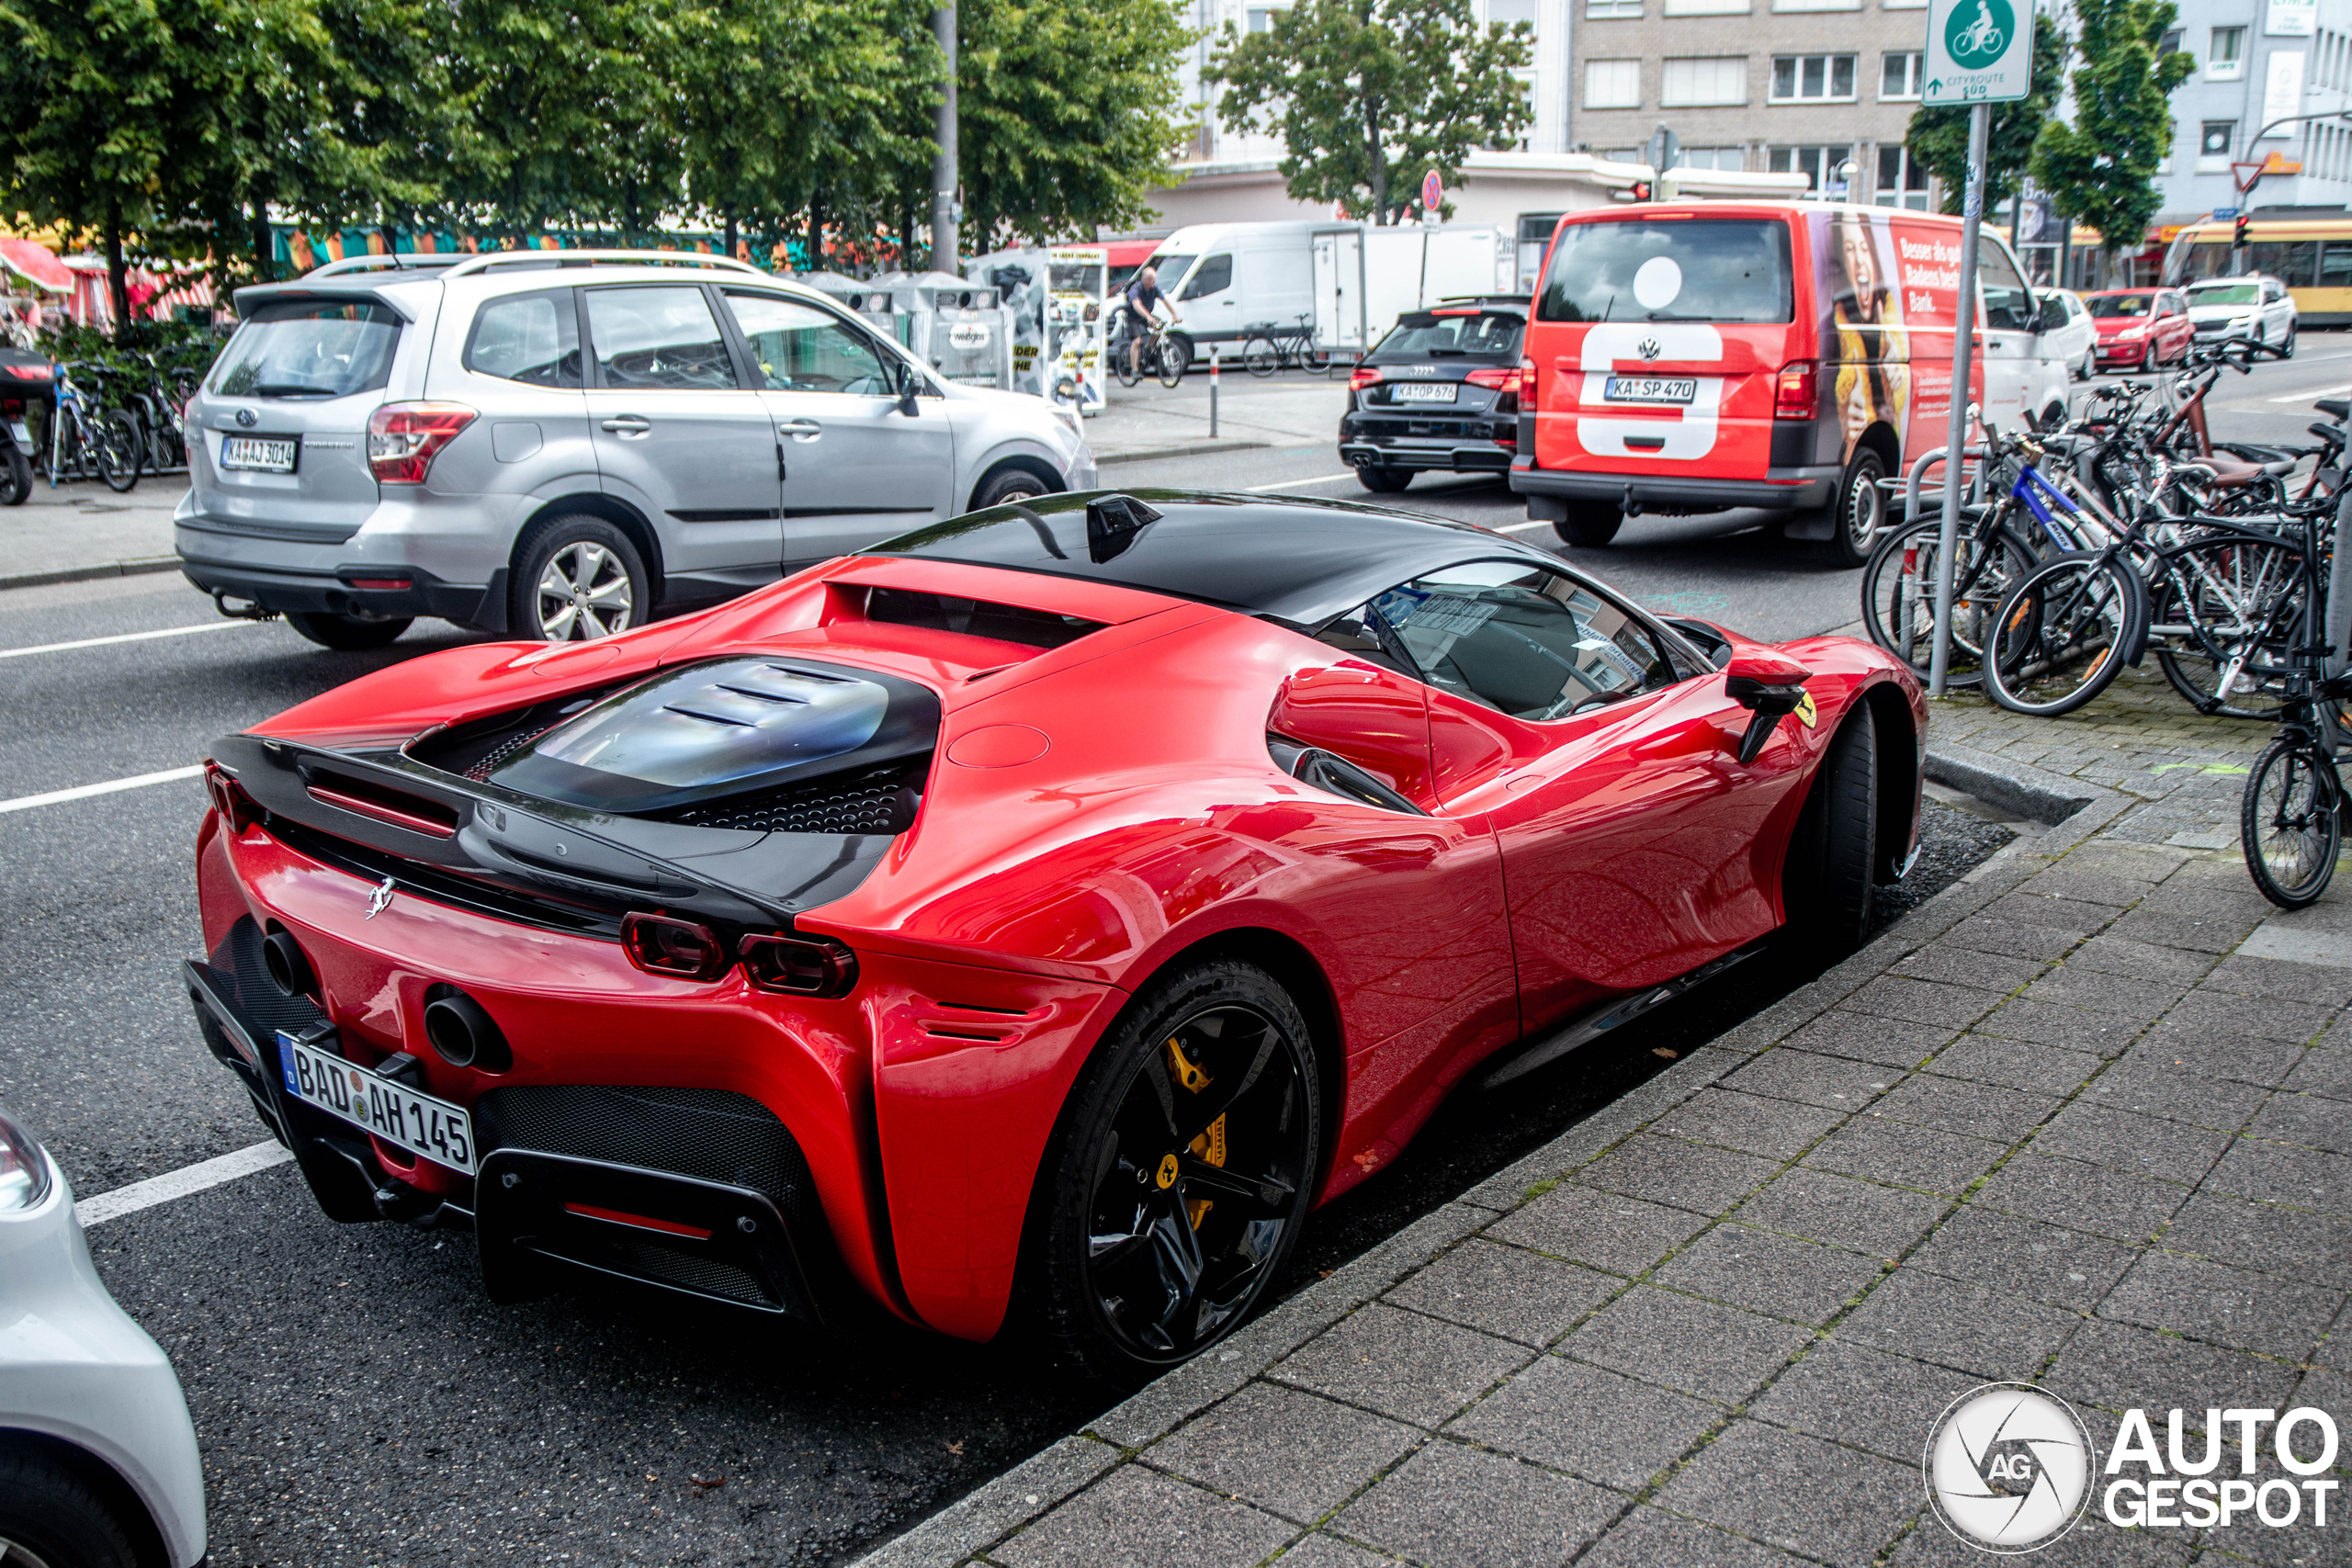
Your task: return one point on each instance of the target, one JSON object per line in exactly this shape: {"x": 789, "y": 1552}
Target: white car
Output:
{"x": 2256, "y": 306}
{"x": 2068, "y": 335}
{"x": 98, "y": 1465}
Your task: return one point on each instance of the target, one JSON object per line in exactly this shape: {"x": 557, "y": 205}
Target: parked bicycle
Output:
{"x": 87, "y": 438}
{"x": 2291, "y": 818}
{"x": 1266, "y": 348}
{"x": 156, "y": 402}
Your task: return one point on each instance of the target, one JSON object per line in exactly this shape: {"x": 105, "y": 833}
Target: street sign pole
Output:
{"x": 1980, "y": 129}
{"x": 1980, "y": 52}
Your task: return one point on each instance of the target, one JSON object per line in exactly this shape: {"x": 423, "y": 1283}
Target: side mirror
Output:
{"x": 1768, "y": 687}
{"x": 907, "y": 404}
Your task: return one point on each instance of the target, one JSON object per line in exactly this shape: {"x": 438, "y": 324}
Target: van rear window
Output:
{"x": 1684, "y": 269}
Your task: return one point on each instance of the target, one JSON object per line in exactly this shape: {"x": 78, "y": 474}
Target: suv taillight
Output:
{"x": 1797, "y": 393}
{"x": 1362, "y": 375}
{"x": 403, "y": 438}
{"x": 1527, "y": 384}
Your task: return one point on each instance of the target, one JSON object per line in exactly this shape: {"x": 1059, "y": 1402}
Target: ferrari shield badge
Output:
{"x": 1805, "y": 714}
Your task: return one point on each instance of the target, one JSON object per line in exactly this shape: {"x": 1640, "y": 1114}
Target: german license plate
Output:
{"x": 262, "y": 453}
{"x": 429, "y": 1128}
{"x": 1424, "y": 392}
{"x": 1650, "y": 389}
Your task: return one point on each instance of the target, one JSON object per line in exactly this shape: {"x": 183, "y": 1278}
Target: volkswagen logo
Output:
{"x": 2009, "y": 1467}
{"x": 248, "y": 418}
{"x": 1647, "y": 348}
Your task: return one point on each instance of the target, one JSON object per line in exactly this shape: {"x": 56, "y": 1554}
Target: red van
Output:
{"x": 1694, "y": 357}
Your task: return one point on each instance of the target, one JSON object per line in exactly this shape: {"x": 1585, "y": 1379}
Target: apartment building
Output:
{"x": 2259, "y": 62}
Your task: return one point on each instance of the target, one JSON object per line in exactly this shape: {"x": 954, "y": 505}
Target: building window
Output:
{"x": 2217, "y": 137}
{"x": 1903, "y": 4}
{"x": 1601, "y": 10}
{"x": 1708, "y": 7}
{"x": 1733, "y": 158}
{"x": 2169, "y": 44}
{"x": 1899, "y": 73}
{"x": 1902, "y": 181}
{"x": 1710, "y": 79}
{"x": 1819, "y": 166}
{"x": 1262, "y": 16}
{"x": 1812, "y": 78}
{"x": 1817, "y": 5}
{"x": 1504, "y": 13}
{"x": 2225, "y": 60}
{"x": 1525, "y": 142}
{"x": 1612, "y": 84}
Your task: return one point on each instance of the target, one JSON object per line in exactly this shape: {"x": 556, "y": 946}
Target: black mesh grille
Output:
{"x": 504, "y": 748}
{"x": 878, "y": 800}
{"x": 713, "y": 1134}
{"x": 647, "y": 1257}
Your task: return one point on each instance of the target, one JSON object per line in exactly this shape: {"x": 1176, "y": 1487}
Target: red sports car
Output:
{"x": 1072, "y": 894}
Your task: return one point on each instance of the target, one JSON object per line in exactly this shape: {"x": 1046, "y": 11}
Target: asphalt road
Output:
{"x": 357, "y": 1400}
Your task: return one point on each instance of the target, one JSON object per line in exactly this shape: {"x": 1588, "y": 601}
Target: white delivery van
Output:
{"x": 1226, "y": 278}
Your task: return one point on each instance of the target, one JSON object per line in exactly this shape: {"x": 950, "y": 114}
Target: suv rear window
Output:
{"x": 314, "y": 348}
{"x": 1685, "y": 269}
{"x": 1425, "y": 334}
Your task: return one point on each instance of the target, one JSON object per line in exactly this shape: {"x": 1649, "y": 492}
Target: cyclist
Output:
{"x": 1141, "y": 297}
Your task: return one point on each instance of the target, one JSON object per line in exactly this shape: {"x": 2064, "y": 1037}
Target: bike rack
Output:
{"x": 1912, "y": 496}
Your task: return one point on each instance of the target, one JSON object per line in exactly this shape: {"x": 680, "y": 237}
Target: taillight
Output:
{"x": 1363, "y": 375}
{"x": 679, "y": 949}
{"x": 236, "y": 807}
{"x": 1502, "y": 378}
{"x": 1797, "y": 393}
{"x": 800, "y": 966}
{"x": 402, "y": 439}
{"x": 1527, "y": 379}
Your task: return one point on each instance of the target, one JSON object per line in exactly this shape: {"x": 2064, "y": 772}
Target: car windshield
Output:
{"x": 2109, "y": 306}
{"x": 1702, "y": 269}
{"x": 1454, "y": 335}
{"x": 1168, "y": 270}
{"x": 2226, "y": 294}
{"x": 317, "y": 349}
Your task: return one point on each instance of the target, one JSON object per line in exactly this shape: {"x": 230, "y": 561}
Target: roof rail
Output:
{"x": 489, "y": 259}
{"x": 391, "y": 263}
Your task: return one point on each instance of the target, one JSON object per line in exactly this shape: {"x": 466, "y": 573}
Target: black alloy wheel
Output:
{"x": 1182, "y": 1173}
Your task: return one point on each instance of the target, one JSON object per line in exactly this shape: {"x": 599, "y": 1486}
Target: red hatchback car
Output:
{"x": 2140, "y": 329}
{"x": 1071, "y": 894}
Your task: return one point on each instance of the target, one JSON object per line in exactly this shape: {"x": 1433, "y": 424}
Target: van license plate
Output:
{"x": 1650, "y": 389}
{"x": 262, "y": 453}
{"x": 432, "y": 1128}
{"x": 1424, "y": 392}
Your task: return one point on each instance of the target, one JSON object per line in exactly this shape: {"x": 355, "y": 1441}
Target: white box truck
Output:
{"x": 1367, "y": 276}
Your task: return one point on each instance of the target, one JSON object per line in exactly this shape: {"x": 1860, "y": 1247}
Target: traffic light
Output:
{"x": 2241, "y": 236}
{"x": 1641, "y": 190}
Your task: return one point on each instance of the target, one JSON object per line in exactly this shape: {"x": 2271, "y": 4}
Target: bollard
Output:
{"x": 1217, "y": 358}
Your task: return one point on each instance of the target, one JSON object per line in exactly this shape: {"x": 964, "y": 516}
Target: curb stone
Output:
{"x": 1202, "y": 449}
{"x": 1036, "y": 1486}
{"x": 133, "y": 568}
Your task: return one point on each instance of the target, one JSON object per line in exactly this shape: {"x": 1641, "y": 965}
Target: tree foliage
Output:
{"x": 1939, "y": 137}
{"x": 2102, "y": 168}
{"x": 1370, "y": 94}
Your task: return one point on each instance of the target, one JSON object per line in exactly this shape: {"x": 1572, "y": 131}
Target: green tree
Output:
{"x": 1369, "y": 95}
{"x": 1939, "y": 137}
{"x": 2102, "y": 168}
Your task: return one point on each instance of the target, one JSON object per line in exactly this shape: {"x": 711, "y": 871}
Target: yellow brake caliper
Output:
{"x": 1209, "y": 1145}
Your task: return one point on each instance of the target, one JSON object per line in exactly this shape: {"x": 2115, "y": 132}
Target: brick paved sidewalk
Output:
{"x": 2078, "y": 1120}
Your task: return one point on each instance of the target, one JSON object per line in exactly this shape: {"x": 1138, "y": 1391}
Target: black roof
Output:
{"x": 1295, "y": 560}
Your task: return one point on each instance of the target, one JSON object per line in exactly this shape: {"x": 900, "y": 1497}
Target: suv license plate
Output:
{"x": 262, "y": 453}
{"x": 1424, "y": 392}
{"x": 1650, "y": 389}
{"x": 429, "y": 1128}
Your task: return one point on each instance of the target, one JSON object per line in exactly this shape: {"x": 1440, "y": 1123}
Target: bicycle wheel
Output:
{"x": 1175, "y": 356}
{"x": 2223, "y": 612}
{"x": 116, "y": 446}
{"x": 1261, "y": 356}
{"x": 1899, "y": 593}
{"x": 2291, "y": 821}
{"x": 2063, "y": 634}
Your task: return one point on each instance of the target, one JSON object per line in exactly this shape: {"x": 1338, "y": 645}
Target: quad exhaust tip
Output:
{"x": 462, "y": 1033}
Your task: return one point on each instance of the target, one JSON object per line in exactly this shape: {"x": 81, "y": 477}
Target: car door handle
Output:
{"x": 801, "y": 429}
{"x": 627, "y": 424}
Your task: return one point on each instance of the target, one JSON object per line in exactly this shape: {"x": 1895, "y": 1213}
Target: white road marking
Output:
{"x": 1520, "y": 527}
{"x": 184, "y": 1182}
{"x": 1294, "y": 484}
{"x": 2314, "y": 394}
{"x": 126, "y": 637}
{"x": 83, "y": 791}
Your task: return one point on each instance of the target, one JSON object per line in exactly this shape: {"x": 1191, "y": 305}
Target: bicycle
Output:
{"x": 1158, "y": 354}
{"x": 158, "y": 410}
{"x": 85, "y": 439}
{"x": 1266, "y": 348}
{"x": 2290, "y": 816}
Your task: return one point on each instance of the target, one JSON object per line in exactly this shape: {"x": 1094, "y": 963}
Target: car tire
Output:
{"x": 56, "y": 1517}
{"x": 615, "y": 592}
{"x": 347, "y": 634}
{"x": 1591, "y": 523}
{"x": 1827, "y": 880}
{"x": 1173, "y": 1282}
{"x": 1007, "y": 486}
{"x": 2288, "y": 348}
{"x": 1859, "y": 509}
{"x": 1384, "y": 482}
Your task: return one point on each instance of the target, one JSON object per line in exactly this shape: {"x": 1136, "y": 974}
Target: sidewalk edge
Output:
{"x": 131, "y": 567}
{"x": 1202, "y": 449}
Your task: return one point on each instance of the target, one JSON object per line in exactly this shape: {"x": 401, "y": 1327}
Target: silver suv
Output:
{"x": 561, "y": 444}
